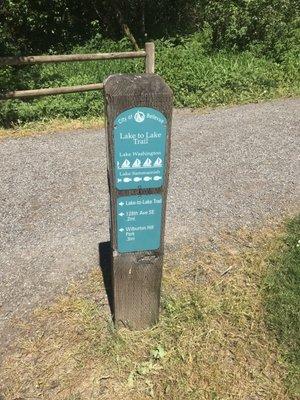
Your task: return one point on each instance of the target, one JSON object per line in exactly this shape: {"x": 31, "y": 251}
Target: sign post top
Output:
{"x": 136, "y": 85}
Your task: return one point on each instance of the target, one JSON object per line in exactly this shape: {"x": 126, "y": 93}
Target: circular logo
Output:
{"x": 139, "y": 116}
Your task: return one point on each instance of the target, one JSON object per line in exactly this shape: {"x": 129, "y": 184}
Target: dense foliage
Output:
{"x": 211, "y": 52}
{"x": 43, "y": 25}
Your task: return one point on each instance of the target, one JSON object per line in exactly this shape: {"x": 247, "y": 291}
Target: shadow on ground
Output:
{"x": 106, "y": 269}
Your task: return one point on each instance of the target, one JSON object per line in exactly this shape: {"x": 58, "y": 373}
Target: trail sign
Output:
{"x": 138, "y": 222}
{"x": 140, "y": 143}
{"x": 138, "y": 126}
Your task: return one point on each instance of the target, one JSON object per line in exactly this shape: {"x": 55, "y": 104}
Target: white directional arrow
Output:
{"x": 147, "y": 178}
{"x": 119, "y": 180}
{"x": 157, "y": 178}
{"x": 121, "y": 214}
{"x": 121, "y": 230}
{"x": 127, "y": 180}
{"x": 121, "y": 203}
{"x": 137, "y": 179}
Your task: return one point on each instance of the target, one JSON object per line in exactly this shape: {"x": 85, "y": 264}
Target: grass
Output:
{"x": 51, "y": 126}
{"x": 198, "y": 76}
{"x": 282, "y": 287}
{"x": 211, "y": 343}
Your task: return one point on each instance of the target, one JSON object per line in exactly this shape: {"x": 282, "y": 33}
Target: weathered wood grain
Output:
{"x": 69, "y": 57}
{"x": 17, "y": 94}
{"x": 136, "y": 276}
{"x": 150, "y": 57}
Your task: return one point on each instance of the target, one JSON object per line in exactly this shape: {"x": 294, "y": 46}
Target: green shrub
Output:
{"x": 198, "y": 76}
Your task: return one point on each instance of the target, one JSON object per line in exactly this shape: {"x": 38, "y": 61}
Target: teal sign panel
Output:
{"x": 140, "y": 135}
{"x": 138, "y": 222}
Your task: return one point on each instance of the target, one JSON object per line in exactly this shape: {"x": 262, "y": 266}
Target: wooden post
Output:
{"x": 150, "y": 57}
{"x": 138, "y": 127}
{"x": 17, "y": 94}
{"x": 69, "y": 57}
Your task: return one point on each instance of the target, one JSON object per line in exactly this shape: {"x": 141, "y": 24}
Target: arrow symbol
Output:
{"x": 137, "y": 179}
{"x": 121, "y": 230}
{"x": 121, "y": 214}
{"x": 119, "y": 180}
{"x": 121, "y": 203}
{"x": 147, "y": 178}
{"x": 127, "y": 180}
{"x": 157, "y": 178}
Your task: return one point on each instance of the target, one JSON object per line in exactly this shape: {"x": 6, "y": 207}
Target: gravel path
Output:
{"x": 230, "y": 167}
